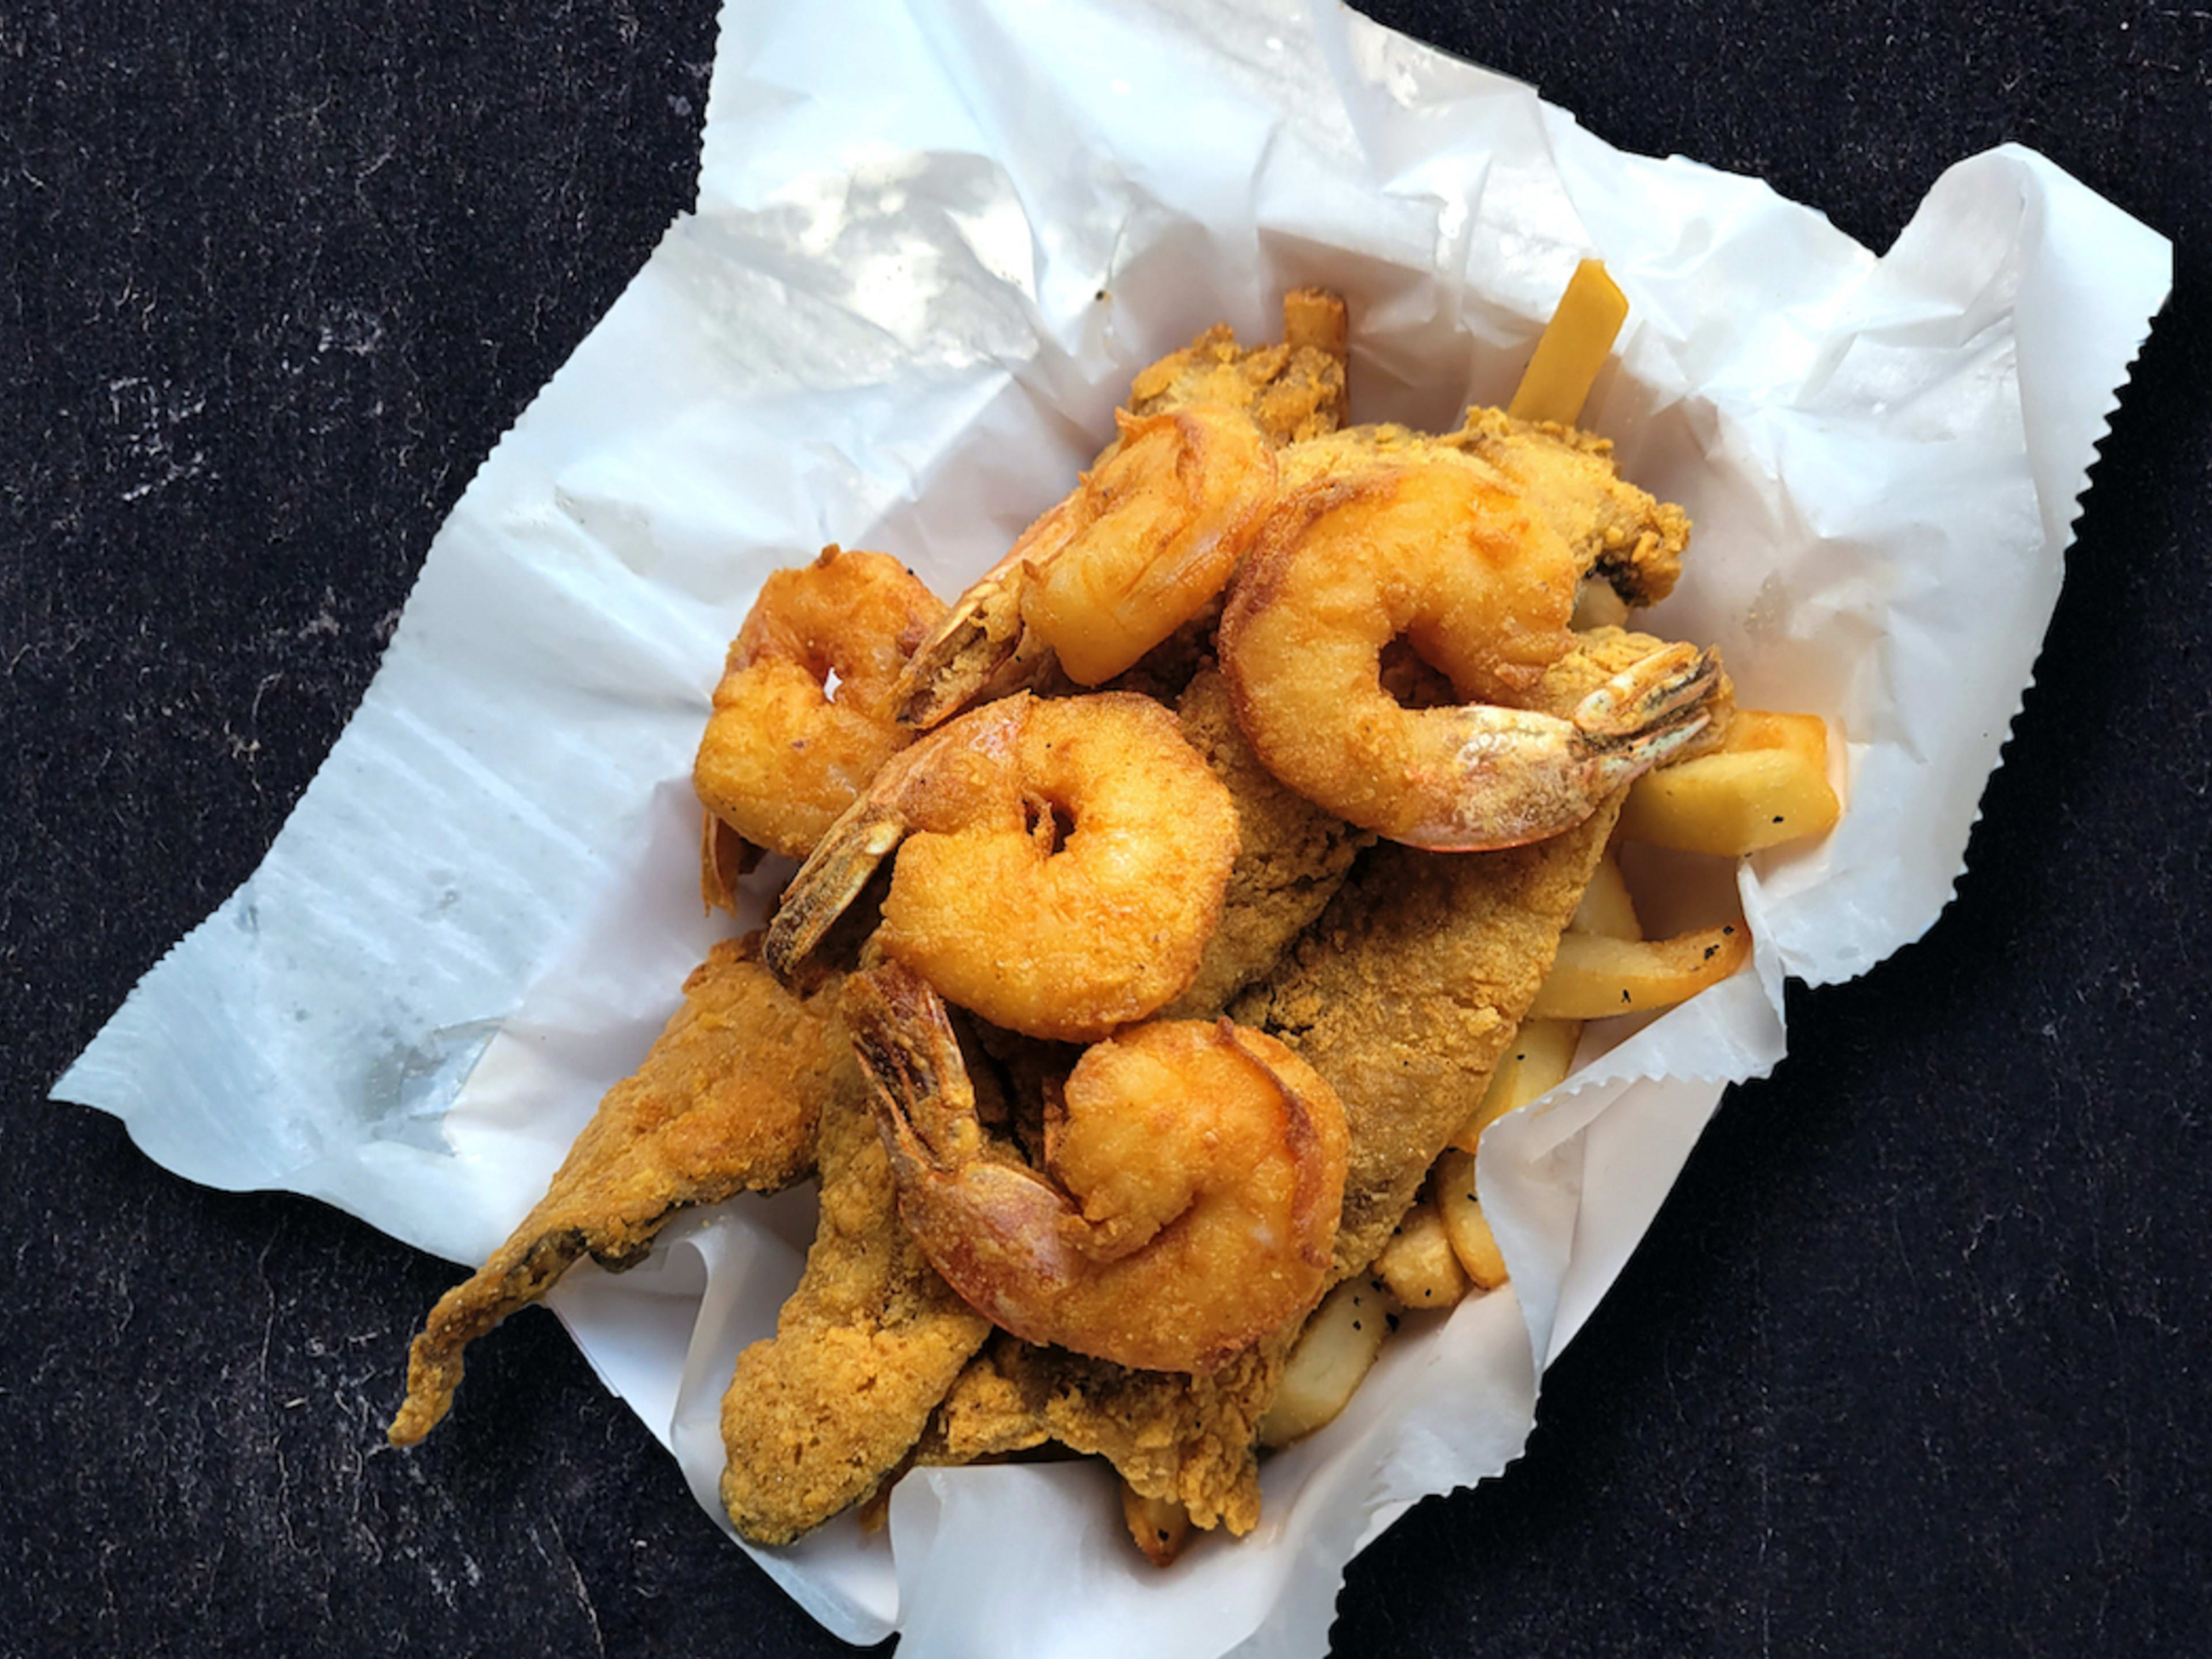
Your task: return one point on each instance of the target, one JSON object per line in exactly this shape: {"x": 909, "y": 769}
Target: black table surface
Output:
{"x": 277, "y": 277}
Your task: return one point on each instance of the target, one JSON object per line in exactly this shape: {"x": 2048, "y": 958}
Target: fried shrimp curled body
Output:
{"x": 1482, "y": 587}
{"x": 783, "y": 755}
{"x": 1142, "y": 544}
{"x": 1193, "y": 1175}
{"x": 1060, "y": 863}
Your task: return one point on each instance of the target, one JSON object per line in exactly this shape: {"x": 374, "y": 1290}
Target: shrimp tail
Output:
{"x": 985, "y": 1223}
{"x": 726, "y": 858}
{"x": 1651, "y": 708}
{"x": 1522, "y": 775}
{"x": 830, "y": 879}
{"x": 902, "y": 1036}
{"x": 983, "y": 650}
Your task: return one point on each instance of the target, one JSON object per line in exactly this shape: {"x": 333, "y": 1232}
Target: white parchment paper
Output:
{"x": 935, "y": 238}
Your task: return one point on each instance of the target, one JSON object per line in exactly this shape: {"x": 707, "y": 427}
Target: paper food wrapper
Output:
{"x": 934, "y": 240}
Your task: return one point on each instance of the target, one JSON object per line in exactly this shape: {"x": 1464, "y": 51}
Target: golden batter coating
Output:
{"x": 1620, "y": 534}
{"x": 1190, "y": 1439}
{"x": 1294, "y": 390}
{"x": 726, "y": 1101}
{"x": 1404, "y": 996}
{"x": 819, "y": 1415}
{"x": 1291, "y": 856}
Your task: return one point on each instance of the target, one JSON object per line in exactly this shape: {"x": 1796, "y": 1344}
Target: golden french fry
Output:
{"x": 1606, "y": 907}
{"x": 1772, "y": 728}
{"x": 1159, "y": 1525}
{"x": 1542, "y": 1053}
{"x": 1574, "y": 347}
{"x": 1333, "y": 1352}
{"x": 1418, "y": 1265}
{"x": 1768, "y": 783}
{"x": 1593, "y": 976}
{"x": 1452, "y": 1188}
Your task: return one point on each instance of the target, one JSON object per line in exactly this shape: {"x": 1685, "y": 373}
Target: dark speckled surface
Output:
{"x": 277, "y": 276}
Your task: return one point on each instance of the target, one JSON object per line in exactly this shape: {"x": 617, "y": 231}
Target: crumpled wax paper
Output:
{"x": 934, "y": 239}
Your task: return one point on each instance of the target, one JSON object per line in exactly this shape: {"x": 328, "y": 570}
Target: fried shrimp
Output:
{"x": 726, "y": 1101}
{"x": 1060, "y": 864}
{"x": 784, "y": 753}
{"x": 1142, "y": 544}
{"x": 1193, "y": 1175}
{"x": 1442, "y": 554}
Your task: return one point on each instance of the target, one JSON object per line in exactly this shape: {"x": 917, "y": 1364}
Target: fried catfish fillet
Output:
{"x": 1293, "y": 390}
{"x": 819, "y": 1415}
{"x": 1622, "y": 535}
{"x": 1292, "y": 856}
{"x": 1619, "y": 534}
{"x": 1170, "y": 1435}
{"x": 726, "y": 1101}
{"x": 1407, "y": 991}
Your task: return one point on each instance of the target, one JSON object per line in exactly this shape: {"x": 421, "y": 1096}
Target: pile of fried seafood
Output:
{"x": 1173, "y": 912}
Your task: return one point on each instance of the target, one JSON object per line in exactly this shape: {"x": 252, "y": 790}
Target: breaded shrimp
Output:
{"x": 997, "y": 639}
{"x": 1436, "y": 552}
{"x": 1617, "y": 533}
{"x": 783, "y": 755}
{"x": 819, "y": 1416}
{"x": 1060, "y": 864}
{"x": 1144, "y": 542}
{"x": 1189, "y": 1195}
{"x": 726, "y": 1101}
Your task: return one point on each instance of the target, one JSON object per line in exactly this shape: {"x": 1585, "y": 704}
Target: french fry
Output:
{"x": 1574, "y": 347}
{"x": 1452, "y": 1187}
{"x": 1768, "y": 783}
{"x": 1160, "y": 1526}
{"x": 1542, "y": 1053}
{"x": 1418, "y": 1265}
{"x": 1593, "y": 976}
{"x": 1333, "y": 1352}
{"x": 1606, "y": 907}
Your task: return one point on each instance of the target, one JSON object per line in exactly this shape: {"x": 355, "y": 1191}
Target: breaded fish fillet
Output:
{"x": 817, "y": 1416}
{"x": 1291, "y": 856}
{"x": 726, "y": 1101}
{"x": 1407, "y": 993}
{"x": 1619, "y": 534}
{"x": 1293, "y": 390}
{"x": 1189, "y": 1439}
